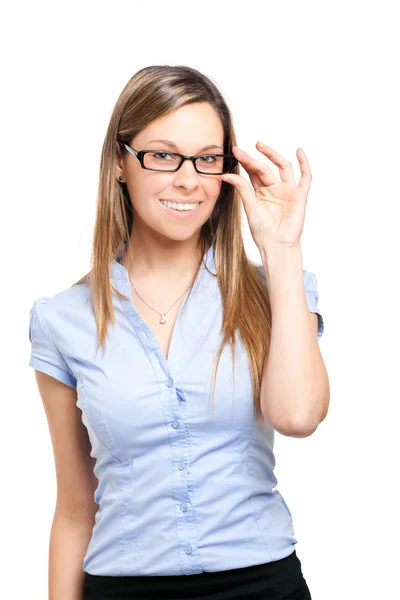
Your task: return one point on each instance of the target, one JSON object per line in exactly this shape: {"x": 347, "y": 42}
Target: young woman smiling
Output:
{"x": 162, "y": 493}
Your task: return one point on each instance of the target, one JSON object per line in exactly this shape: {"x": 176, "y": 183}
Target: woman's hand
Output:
{"x": 275, "y": 209}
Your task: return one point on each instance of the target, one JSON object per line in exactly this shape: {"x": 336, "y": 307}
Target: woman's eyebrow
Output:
{"x": 173, "y": 145}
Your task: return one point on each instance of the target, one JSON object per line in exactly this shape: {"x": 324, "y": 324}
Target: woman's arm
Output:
{"x": 76, "y": 483}
{"x": 69, "y": 540}
{"x": 295, "y": 390}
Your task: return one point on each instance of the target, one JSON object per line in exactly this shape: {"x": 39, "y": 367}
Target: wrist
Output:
{"x": 281, "y": 263}
{"x": 271, "y": 250}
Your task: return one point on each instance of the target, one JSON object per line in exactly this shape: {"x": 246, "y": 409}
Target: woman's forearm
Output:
{"x": 69, "y": 539}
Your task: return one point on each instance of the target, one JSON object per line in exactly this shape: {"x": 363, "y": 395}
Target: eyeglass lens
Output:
{"x": 210, "y": 164}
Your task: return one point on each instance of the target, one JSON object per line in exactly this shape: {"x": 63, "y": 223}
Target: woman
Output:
{"x": 162, "y": 494}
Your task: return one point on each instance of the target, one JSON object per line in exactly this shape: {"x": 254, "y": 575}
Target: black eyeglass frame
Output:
{"x": 140, "y": 156}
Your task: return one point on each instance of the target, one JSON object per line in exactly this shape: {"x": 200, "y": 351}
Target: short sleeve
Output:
{"x": 44, "y": 354}
{"x": 311, "y": 289}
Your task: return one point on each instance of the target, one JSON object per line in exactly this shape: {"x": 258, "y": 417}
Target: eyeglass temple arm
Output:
{"x": 131, "y": 150}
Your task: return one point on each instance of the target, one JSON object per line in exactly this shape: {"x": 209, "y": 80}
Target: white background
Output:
{"x": 318, "y": 75}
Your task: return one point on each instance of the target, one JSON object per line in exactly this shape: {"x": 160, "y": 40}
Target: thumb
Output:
{"x": 245, "y": 190}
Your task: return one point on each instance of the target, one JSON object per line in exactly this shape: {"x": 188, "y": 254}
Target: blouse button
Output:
{"x": 169, "y": 382}
{"x": 183, "y": 507}
{"x": 176, "y": 424}
{"x": 181, "y": 466}
{"x": 188, "y": 549}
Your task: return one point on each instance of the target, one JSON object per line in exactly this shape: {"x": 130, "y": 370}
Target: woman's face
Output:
{"x": 191, "y": 128}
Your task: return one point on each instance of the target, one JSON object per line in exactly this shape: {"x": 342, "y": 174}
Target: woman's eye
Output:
{"x": 208, "y": 156}
{"x": 162, "y": 154}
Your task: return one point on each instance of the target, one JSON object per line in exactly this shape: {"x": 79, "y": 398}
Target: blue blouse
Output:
{"x": 181, "y": 490}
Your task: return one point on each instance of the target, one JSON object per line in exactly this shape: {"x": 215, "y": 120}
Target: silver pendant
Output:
{"x": 163, "y": 319}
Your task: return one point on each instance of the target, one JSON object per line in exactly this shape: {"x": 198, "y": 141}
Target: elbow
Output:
{"x": 302, "y": 431}
{"x": 302, "y": 425}
{"x": 297, "y": 430}
{"x": 306, "y": 426}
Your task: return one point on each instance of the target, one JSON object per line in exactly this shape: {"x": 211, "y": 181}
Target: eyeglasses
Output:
{"x": 206, "y": 164}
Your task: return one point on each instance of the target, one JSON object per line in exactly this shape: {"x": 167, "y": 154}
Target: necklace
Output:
{"x": 162, "y": 315}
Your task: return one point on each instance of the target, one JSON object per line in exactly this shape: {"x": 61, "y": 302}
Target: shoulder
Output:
{"x": 65, "y": 302}
{"x": 58, "y": 312}
{"x": 53, "y": 322}
{"x": 55, "y": 325}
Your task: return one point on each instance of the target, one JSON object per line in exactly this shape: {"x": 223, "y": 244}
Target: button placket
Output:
{"x": 185, "y": 519}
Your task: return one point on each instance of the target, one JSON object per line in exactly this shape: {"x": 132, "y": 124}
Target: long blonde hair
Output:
{"x": 154, "y": 92}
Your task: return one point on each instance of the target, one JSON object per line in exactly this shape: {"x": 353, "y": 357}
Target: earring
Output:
{"x": 120, "y": 178}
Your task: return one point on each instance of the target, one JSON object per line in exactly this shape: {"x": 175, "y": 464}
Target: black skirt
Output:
{"x": 278, "y": 580}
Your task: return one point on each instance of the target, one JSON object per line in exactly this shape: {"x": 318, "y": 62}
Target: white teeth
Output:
{"x": 180, "y": 206}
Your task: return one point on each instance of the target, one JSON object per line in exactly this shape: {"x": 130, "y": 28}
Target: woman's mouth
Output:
{"x": 180, "y": 209}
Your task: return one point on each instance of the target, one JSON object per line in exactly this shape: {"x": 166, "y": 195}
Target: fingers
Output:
{"x": 284, "y": 166}
{"x": 259, "y": 173}
{"x": 305, "y": 178}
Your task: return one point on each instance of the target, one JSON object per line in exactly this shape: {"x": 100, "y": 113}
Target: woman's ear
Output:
{"x": 119, "y": 163}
